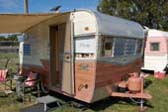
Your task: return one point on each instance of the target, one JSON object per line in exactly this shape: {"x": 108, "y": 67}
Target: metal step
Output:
{"x": 47, "y": 100}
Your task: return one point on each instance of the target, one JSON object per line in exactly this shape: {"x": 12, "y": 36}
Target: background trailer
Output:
{"x": 156, "y": 51}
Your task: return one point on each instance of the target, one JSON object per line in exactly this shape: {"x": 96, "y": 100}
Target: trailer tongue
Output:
{"x": 135, "y": 85}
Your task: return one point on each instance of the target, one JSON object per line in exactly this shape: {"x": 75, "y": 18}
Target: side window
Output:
{"x": 26, "y": 50}
{"x": 119, "y": 46}
{"x": 154, "y": 46}
{"x": 139, "y": 46}
{"x": 107, "y": 45}
{"x": 108, "y": 48}
{"x": 130, "y": 46}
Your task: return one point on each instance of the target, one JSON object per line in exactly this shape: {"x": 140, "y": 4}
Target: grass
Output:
{"x": 10, "y": 103}
{"x": 157, "y": 88}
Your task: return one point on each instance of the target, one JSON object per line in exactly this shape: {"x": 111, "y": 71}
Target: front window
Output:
{"x": 155, "y": 46}
{"x": 85, "y": 47}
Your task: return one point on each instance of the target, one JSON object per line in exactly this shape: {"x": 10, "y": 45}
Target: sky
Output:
{"x": 36, "y": 6}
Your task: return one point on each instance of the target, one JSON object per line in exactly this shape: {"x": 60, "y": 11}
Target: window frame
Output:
{"x": 155, "y": 50}
{"x": 114, "y": 39}
{"x": 104, "y": 51}
{"x": 85, "y": 55}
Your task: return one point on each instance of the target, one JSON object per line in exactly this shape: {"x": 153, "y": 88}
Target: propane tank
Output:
{"x": 134, "y": 83}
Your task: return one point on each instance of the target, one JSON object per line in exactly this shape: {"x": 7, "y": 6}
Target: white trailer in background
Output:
{"x": 156, "y": 51}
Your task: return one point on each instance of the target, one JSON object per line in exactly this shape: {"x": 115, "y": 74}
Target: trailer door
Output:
{"x": 68, "y": 62}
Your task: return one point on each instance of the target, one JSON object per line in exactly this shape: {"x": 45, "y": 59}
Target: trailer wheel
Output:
{"x": 44, "y": 89}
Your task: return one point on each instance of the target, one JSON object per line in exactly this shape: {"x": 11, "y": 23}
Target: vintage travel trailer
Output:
{"x": 156, "y": 51}
{"x": 82, "y": 54}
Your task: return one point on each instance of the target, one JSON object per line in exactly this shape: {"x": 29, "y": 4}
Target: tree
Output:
{"x": 11, "y": 37}
{"x": 150, "y": 13}
{"x": 9, "y": 40}
{"x": 2, "y": 38}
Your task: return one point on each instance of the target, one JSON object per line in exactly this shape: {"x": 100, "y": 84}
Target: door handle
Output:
{"x": 67, "y": 57}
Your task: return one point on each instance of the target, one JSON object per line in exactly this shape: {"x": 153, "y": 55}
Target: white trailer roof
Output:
{"x": 110, "y": 25}
{"x": 157, "y": 33}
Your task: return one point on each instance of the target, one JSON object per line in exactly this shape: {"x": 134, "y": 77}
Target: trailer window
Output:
{"x": 26, "y": 50}
{"x": 118, "y": 46}
{"x": 139, "y": 46}
{"x": 85, "y": 47}
{"x": 130, "y": 46}
{"x": 155, "y": 46}
{"x": 107, "y": 45}
{"x": 108, "y": 49}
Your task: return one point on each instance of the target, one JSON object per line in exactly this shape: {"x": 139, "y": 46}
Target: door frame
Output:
{"x": 72, "y": 74}
{"x": 51, "y": 27}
